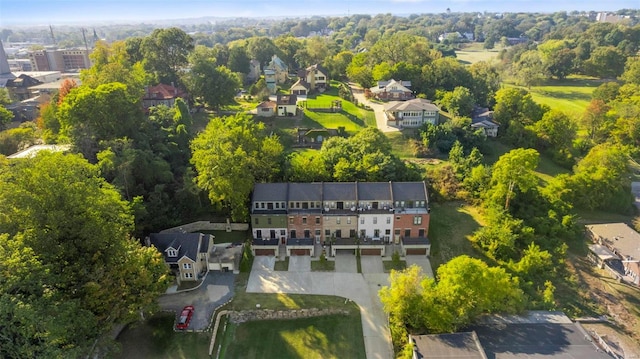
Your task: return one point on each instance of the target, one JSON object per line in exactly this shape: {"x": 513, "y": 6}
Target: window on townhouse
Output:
{"x": 421, "y": 233}
{"x": 186, "y": 265}
{"x": 283, "y": 232}
{"x": 348, "y": 220}
{"x": 262, "y": 205}
{"x": 172, "y": 253}
{"x": 375, "y": 220}
{"x": 304, "y": 220}
{"x": 363, "y": 233}
{"x": 277, "y": 205}
{"x": 297, "y": 204}
{"x": 293, "y": 233}
{"x": 417, "y": 220}
{"x": 318, "y": 233}
{"x": 257, "y": 205}
{"x": 268, "y": 220}
{"x": 338, "y": 220}
{"x": 407, "y": 233}
{"x": 317, "y": 220}
{"x": 361, "y": 220}
{"x": 388, "y": 220}
{"x": 387, "y": 232}
{"x": 307, "y": 233}
{"x": 290, "y": 220}
{"x": 257, "y": 220}
{"x": 305, "y": 205}
{"x": 327, "y": 232}
{"x": 188, "y": 275}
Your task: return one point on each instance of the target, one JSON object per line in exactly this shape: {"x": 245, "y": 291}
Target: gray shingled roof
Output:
{"x": 448, "y": 346}
{"x": 305, "y": 192}
{"x": 187, "y": 244}
{"x": 340, "y": 191}
{"x": 417, "y": 104}
{"x": 409, "y": 191}
{"x": 374, "y": 191}
{"x": 263, "y": 192}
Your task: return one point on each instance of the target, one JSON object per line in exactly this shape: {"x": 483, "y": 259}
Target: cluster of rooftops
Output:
{"x": 324, "y": 197}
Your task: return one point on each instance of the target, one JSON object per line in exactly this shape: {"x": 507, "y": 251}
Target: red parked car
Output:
{"x": 185, "y": 317}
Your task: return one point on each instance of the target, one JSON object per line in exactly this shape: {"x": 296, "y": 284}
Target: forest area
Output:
{"x": 71, "y": 224}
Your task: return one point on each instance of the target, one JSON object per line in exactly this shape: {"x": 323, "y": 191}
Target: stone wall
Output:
{"x": 268, "y": 314}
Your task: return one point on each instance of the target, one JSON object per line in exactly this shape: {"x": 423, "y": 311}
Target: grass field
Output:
{"x": 401, "y": 143}
{"x": 571, "y": 95}
{"x": 352, "y": 117}
{"x": 546, "y": 170}
{"x": 334, "y": 336}
{"x": 323, "y": 266}
{"x": 155, "y": 338}
{"x": 228, "y": 237}
{"x": 450, "y": 226}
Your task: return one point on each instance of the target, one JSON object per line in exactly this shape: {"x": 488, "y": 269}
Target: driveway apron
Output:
{"x": 371, "y": 264}
{"x": 422, "y": 261}
{"x": 346, "y": 263}
{"x": 299, "y": 264}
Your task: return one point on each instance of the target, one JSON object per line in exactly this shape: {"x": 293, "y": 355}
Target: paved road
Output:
{"x": 216, "y": 290}
{"x": 361, "y": 288}
{"x": 378, "y": 109}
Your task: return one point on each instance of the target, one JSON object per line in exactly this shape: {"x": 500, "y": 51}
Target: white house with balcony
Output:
{"x": 411, "y": 114}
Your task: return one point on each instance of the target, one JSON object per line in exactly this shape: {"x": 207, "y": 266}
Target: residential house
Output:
{"x": 339, "y": 204}
{"x": 266, "y": 109}
{"x": 300, "y": 87}
{"x": 19, "y": 87}
{"x": 270, "y": 80}
{"x": 537, "y": 335}
{"x": 280, "y": 69}
{"x": 622, "y": 241}
{"x": 411, "y": 114}
{"x": 412, "y": 216}
{"x": 305, "y": 217}
{"x": 186, "y": 254}
{"x": 287, "y": 105}
{"x": 451, "y": 36}
{"x": 316, "y": 76}
{"x": 348, "y": 216}
{"x": 392, "y": 90}
{"x": 482, "y": 117}
{"x": 161, "y": 94}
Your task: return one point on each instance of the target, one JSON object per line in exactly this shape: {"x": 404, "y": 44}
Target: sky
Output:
{"x": 52, "y": 12}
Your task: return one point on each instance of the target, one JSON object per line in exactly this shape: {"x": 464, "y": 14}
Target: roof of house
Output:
{"x": 33, "y": 150}
{"x": 301, "y": 82}
{"x": 602, "y": 252}
{"x": 485, "y": 124}
{"x": 163, "y": 92}
{"x": 374, "y": 191}
{"x": 620, "y": 237}
{"x": 334, "y": 191}
{"x": 409, "y": 191}
{"x": 317, "y": 67}
{"x": 305, "y": 191}
{"x": 270, "y": 192}
{"x": 391, "y": 86}
{"x": 286, "y": 99}
{"x": 417, "y": 104}
{"x": 267, "y": 104}
{"x": 277, "y": 62}
{"x": 448, "y": 346}
{"x": 187, "y": 244}
{"x": 537, "y": 341}
{"x": 22, "y": 81}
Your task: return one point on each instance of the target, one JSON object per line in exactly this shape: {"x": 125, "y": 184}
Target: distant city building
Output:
{"x": 59, "y": 60}
{"x": 611, "y": 18}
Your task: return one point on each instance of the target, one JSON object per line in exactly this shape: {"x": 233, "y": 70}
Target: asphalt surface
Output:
{"x": 378, "y": 109}
{"x": 218, "y": 288}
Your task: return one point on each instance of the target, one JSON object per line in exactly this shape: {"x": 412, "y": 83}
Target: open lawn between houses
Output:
{"x": 155, "y": 338}
{"x": 333, "y": 336}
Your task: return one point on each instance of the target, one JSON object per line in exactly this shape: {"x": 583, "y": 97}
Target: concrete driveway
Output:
{"x": 371, "y": 264}
{"x": 263, "y": 263}
{"x": 378, "y": 109}
{"x": 346, "y": 263}
{"x": 299, "y": 263}
{"x": 362, "y": 289}
{"x": 422, "y": 261}
{"x": 216, "y": 290}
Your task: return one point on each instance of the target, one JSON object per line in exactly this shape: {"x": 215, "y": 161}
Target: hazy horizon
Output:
{"x": 40, "y": 12}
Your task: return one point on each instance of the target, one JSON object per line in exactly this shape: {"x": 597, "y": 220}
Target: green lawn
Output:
{"x": 571, "y": 95}
{"x": 450, "y": 226}
{"x": 282, "y": 265}
{"x": 546, "y": 169}
{"x": 402, "y": 143}
{"x": 228, "y": 237}
{"x": 353, "y": 117}
{"x": 334, "y": 336}
{"x": 471, "y": 56}
{"x": 389, "y": 265}
{"x": 323, "y": 266}
{"x": 155, "y": 338}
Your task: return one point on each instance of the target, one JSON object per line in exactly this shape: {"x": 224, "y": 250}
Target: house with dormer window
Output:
{"x": 392, "y": 90}
{"x": 186, "y": 254}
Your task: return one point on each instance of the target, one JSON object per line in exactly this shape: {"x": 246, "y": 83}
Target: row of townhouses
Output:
{"x": 346, "y": 216}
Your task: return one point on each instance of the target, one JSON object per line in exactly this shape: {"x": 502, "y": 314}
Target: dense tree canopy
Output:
{"x": 68, "y": 267}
